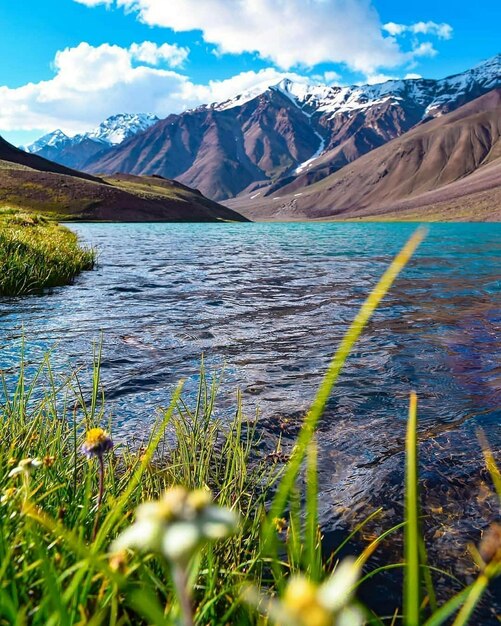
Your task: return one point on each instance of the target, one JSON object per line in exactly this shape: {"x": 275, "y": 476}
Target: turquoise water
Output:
{"x": 271, "y": 302}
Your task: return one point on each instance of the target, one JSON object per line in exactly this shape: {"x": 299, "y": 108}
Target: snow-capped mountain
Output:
{"x": 291, "y": 134}
{"x": 50, "y": 140}
{"x": 279, "y": 137}
{"x": 118, "y": 128}
{"x": 75, "y": 151}
{"x": 434, "y": 95}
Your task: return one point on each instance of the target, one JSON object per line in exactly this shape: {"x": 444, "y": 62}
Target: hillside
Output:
{"x": 448, "y": 168}
{"x": 31, "y": 182}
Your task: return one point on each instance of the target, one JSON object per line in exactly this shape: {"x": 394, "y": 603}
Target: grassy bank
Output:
{"x": 36, "y": 254}
{"x": 86, "y": 536}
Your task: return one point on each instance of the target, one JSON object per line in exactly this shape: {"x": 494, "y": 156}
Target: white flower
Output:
{"x": 177, "y": 525}
{"x": 337, "y": 590}
{"x": 26, "y": 467}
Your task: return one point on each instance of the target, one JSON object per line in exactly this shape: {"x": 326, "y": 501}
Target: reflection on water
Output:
{"x": 271, "y": 301}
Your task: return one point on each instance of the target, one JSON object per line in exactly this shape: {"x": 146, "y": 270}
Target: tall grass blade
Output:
{"x": 412, "y": 584}
{"x": 329, "y": 380}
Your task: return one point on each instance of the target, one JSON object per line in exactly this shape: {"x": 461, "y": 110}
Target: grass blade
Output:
{"x": 329, "y": 380}
{"x": 412, "y": 585}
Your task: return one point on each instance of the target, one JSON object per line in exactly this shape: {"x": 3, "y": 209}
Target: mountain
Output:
{"x": 31, "y": 182}
{"x": 448, "y": 168}
{"x": 290, "y": 135}
{"x": 76, "y": 151}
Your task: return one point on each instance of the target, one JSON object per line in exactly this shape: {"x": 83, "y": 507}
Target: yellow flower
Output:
{"x": 490, "y": 546}
{"x": 97, "y": 442}
{"x": 8, "y": 494}
{"x": 306, "y": 603}
{"x": 118, "y": 562}
{"x": 49, "y": 461}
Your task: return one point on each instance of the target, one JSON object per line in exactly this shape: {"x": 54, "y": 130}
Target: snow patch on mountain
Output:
{"x": 116, "y": 129}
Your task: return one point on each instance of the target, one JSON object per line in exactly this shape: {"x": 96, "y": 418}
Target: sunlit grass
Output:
{"x": 36, "y": 254}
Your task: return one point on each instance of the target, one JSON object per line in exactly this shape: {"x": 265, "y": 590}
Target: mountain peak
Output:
{"x": 50, "y": 140}
{"x": 117, "y": 128}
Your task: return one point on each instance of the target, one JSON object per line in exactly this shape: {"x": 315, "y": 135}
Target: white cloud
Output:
{"x": 331, "y": 78}
{"x": 424, "y": 49}
{"x": 92, "y": 83}
{"x": 149, "y": 52}
{"x": 412, "y": 76}
{"x": 290, "y": 33}
{"x": 442, "y": 31}
{"x": 376, "y": 79}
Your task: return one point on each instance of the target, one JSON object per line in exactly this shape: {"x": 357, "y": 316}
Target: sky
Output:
{"x": 69, "y": 64}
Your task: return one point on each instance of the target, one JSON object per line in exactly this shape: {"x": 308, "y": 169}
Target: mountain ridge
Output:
{"x": 75, "y": 151}
{"x": 288, "y": 133}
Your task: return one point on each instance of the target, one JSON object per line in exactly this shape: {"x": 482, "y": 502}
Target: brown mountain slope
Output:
{"x": 220, "y": 152}
{"x": 33, "y": 183}
{"x": 437, "y": 162}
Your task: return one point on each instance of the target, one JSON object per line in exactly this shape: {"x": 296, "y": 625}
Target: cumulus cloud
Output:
{"x": 424, "y": 49}
{"x": 92, "y": 83}
{"x": 290, "y": 33}
{"x": 442, "y": 31}
{"x": 149, "y": 52}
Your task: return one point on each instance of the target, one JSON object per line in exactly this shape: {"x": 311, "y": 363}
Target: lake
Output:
{"x": 270, "y": 302}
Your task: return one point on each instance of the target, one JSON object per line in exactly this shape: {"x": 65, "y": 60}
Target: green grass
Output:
{"x": 36, "y": 254}
{"x": 55, "y": 569}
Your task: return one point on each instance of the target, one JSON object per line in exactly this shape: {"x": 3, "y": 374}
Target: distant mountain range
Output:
{"x": 76, "y": 151}
{"x": 272, "y": 142}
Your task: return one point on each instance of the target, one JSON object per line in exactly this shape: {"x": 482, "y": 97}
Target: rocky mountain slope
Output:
{"x": 423, "y": 173}
{"x": 289, "y": 136}
{"x": 30, "y": 182}
{"x": 76, "y": 151}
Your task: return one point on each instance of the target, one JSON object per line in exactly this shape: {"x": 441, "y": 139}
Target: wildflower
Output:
{"x": 97, "y": 442}
{"x": 280, "y": 524}
{"x": 118, "y": 562}
{"x": 8, "y": 495}
{"x": 49, "y": 461}
{"x": 177, "y": 525}
{"x": 305, "y": 603}
{"x": 25, "y": 467}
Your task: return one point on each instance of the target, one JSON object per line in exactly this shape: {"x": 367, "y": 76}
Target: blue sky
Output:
{"x": 71, "y": 63}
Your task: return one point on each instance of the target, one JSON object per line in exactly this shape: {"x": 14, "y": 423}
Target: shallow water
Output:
{"x": 271, "y": 301}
